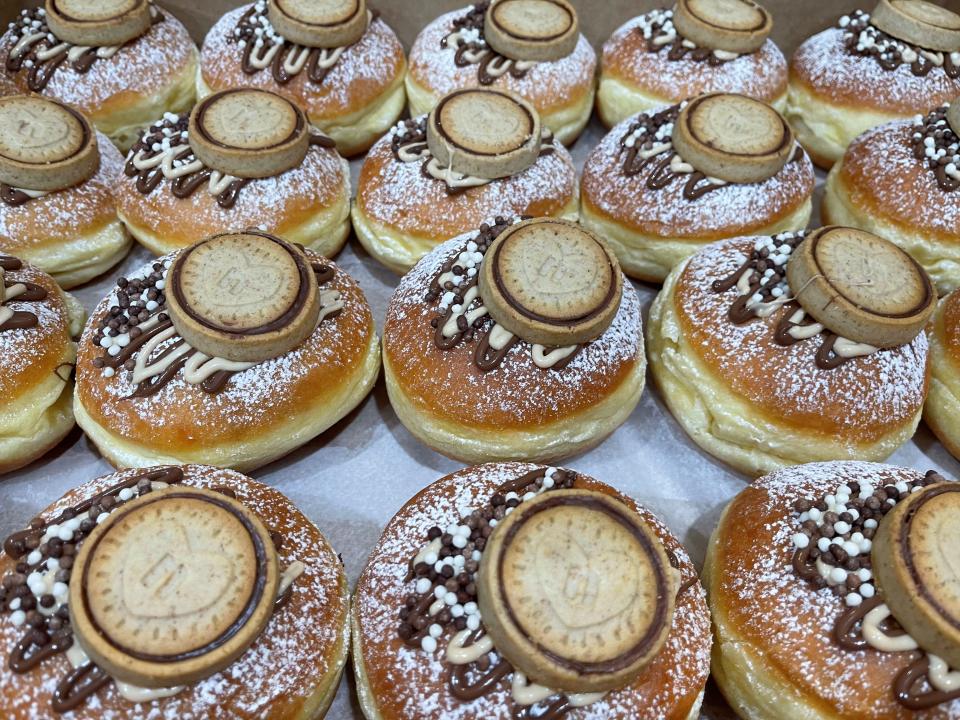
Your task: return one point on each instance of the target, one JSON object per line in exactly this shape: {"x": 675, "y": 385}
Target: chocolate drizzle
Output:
{"x": 862, "y": 39}
{"x": 765, "y": 291}
{"x": 911, "y": 686}
{"x": 139, "y": 317}
{"x": 26, "y": 292}
{"x": 937, "y": 146}
{"x": 452, "y": 294}
{"x": 47, "y": 634}
{"x": 41, "y": 53}
{"x": 12, "y": 196}
{"x": 470, "y": 681}
{"x": 408, "y": 143}
{"x": 289, "y": 59}
{"x": 470, "y": 48}
{"x": 659, "y": 32}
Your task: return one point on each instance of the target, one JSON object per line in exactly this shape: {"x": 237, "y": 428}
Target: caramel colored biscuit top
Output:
{"x": 549, "y": 86}
{"x": 45, "y": 222}
{"x": 822, "y": 65}
{"x": 399, "y": 196}
{"x": 517, "y": 395}
{"x": 735, "y": 209}
{"x": 881, "y": 176}
{"x": 29, "y": 356}
{"x": 860, "y": 401}
{"x": 785, "y": 620}
{"x": 761, "y": 74}
{"x": 362, "y": 73}
{"x": 300, "y": 644}
{"x": 253, "y": 400}
{"x": 141, "y": 68}
{"x": 667, "y": 688}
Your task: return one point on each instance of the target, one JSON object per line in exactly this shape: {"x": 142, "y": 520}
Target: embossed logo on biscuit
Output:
{"x": 248, "y": 123}
{"x": 36, "y": 129}
{"x": 242, "y": 284}
{"x": 100, "y": 10}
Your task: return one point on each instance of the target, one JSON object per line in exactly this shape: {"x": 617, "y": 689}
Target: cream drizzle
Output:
{"x": 496, "y": 67}
{"x": 459, "y": 653}
{"x": 171, "y": 159}
{"x": 11, "y": 293}
{"x": 298, "y": 56}
{"x": 940, "y": 675}
{"x": 293, "y": 571}
{"x": 879, "y": 639}
{"x": 527, "y": 693}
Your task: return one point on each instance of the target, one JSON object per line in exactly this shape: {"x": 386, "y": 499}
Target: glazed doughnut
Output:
{"x": 761, "y": 392}
{"x": 354, "y": 101}
{"x": 164, "y": 209}
{"x": 38, "y": 322}
{"x": 121, "y": 88}
{"x": 885, "y": 184}
{"x": 69, "y": 227}
{"x": 791, "y": 642}
{"x": 645, "y": 64}
{"x": 402, "y": 211}
{"x": 146, "y": 402}
{"x": 386, "y": 643}
{"x": 942, "y": 409}
{"x": 293, "y": 666}
{"x": 451, "y": 53}
{"x": 457, "y": 392}
{"x": 654, "y": 216}
{"x": 838, "y": 91}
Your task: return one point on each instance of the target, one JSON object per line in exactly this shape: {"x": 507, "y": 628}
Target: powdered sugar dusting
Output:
{"x": 861, "y": 400}
{"x": 399, "y": 195}
{"x": 881, "y": 171}
{"x": 61, "y": 216}
{"x": 410, "y": 683}
{"x": 362, "y": 73}
{"x": 143, "y": 67}
{"x": 294, "y": 651}
{"x": 268, "y": 393}
{"x": 733, "y": 209}
{"x": 761, "y": 74}
{"x": 823, "y": 63}
{"x": 548, "y": 85}
{"x": 782, "y": 616}
{"x": 517, "y": 392}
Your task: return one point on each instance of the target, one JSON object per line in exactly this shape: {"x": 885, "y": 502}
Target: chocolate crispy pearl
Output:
{"x": 659, "y": 32}
{"x": 473, "y": 21}
{"x": 936, "y": 144}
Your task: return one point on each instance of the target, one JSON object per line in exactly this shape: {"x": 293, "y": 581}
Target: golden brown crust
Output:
{"x": 863, "y": 400}
{"x": 30, "y": 356}
{"x": 280, "y": 204}
{"x": 517, "y": 395}
{"x": 948, "y": 329}
{"x": 823, "y": 67}
{"x": 881, "y": 176}
{"x": 782, "y": 620}
{"x": 250, "y": 404}
{"x": 49, "y": 222}
{"x": 668, "y": 688}
{"x": 300, "y": 651}
{"x": 363, "y": 73}
{"x": 139, "y": 71}
{"x": 724, "y": 212}
{"x": 761, "y": 74}
{"x": 397, "y": 195}
{"x": 550, "y": 86}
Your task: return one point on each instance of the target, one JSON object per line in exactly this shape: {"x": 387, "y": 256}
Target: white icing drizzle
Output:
{"x": 32, "y": 194}
{"x": 12, "y": 292}
{"x": 459, "y": 653}
{"x": 469, "y": 260}
{"x": 497, "y": 67}
{"x": 940, "y": 675}
{"x": 879, "y": 639}
{"x": 199, "y": 367}
{"x": 293, "y": 571}
{"x": 667, "y": 33}
{"x": 527, "y": 693}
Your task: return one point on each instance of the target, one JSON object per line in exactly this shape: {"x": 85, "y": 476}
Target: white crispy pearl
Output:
{"x": 423, "y": 586}
{"x": 800, "y": 540}
{"x": 429, "y": 644}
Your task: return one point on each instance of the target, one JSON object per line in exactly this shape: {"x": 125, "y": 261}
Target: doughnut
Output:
{"x": 38, "y": 322}
{"x": 57, "y": 175}
{"x": 181, "y": 183}
{"x": 467, "y": 368}
{"x": 147, "y": 395}
{"x": 647, "y": 62}
{"x": 814, "y": 574}
{"x": 942, "y": 410}
{"x": 238, "y": 602}
{"x": 891, "y": 183}
{"x": 456, "y": 51}
{"x": 656, "y": 203}
{"x": 565, "y": 527}
{"x": 414, "y": 193}
{"x": 350, "y": 85}
{"x": 757, "y": 381}
{"x": 120, "y": 84}
{"x": 841, "y": 85}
